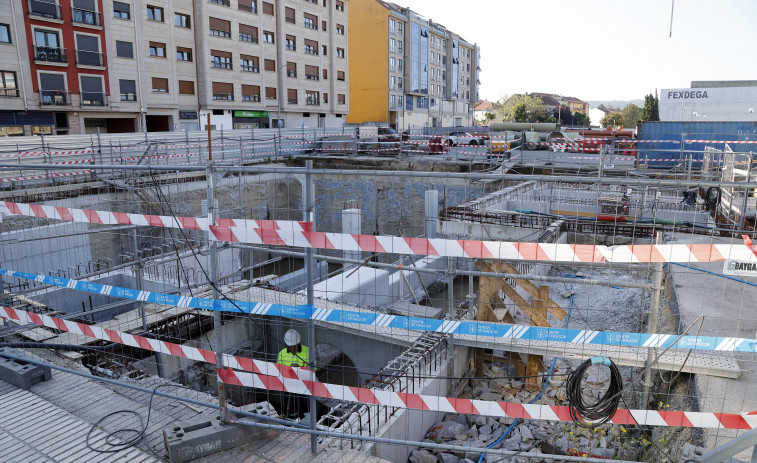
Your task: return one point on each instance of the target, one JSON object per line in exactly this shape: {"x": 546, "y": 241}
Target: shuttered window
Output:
{"x": 223, "y": 91}
{"x": 128, "y": 89}
{"x": 270, "y": 93}
{"x": 248, "y": 33}
{"x": 159, "y": 85}
{"x": 311, "y": 72}
{"x": 124, "y": 49}
{"x": 339, "y": 75}
{"x": 52, "y": 82}
{"x": 289, "y": 15}
{"x": 292, "y": 95}
{"x": 186, "y": 87}
{"x": 250, "y": 92}
{"x": 341, "y": 99}
{"x": 268, "y": 8}
{"x": 270, "y": 65}
{"x": 219, "y": 27}
{"x": 88, "y": 5}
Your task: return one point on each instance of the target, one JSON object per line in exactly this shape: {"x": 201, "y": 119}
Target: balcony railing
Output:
{"x": 44, "y": 9}
{"x": 221, "y": 65}
{"x": 248, "y": 38}
{"x": 248, "y": 68}
{"x": 292, "y": 100}
{"x": 93, "y": 99}
{"x": 223, "y": 96}
{"x": 89, "y": 58}
{"x": 291, "y": 47}
{"x": 54, "y": 98}
{"x": 128, "y": 97}
{"x": 312, "y": 102}
{"x": 251, "y": 98}
{"x": 8, "y": 92}
{"x": 91, "y": 18}
{"x": 50, "y": 54}
{"x": 311, "y": 77}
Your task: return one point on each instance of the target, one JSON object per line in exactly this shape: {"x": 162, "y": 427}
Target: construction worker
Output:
{"x": 294, "y": 355}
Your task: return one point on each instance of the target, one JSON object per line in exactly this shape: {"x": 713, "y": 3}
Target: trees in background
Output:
{"x": 651, "y": 111}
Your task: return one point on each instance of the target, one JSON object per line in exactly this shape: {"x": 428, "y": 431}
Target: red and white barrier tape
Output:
{"x": 41, "y": 177}
{"x": 300, "y": 234}
{"x": 52, "y": 153}
{"x": 275, "y": 377}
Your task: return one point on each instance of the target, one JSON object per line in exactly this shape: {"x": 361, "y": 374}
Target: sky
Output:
{"x": 601, "y": 50}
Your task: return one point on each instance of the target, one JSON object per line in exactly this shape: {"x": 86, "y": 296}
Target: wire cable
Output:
{"x": 601, "y": 411}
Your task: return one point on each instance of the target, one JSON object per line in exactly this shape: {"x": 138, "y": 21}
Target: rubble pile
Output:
{"x": 529, "y": 437}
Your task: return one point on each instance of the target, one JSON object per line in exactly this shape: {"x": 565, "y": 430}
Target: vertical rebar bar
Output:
{"x": 652, "y": 325}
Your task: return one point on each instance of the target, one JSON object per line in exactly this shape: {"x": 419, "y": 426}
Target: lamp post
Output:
{"x": 278, "y": 99}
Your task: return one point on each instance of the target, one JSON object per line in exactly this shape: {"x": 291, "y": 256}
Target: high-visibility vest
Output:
{"x": 299, "y": 359}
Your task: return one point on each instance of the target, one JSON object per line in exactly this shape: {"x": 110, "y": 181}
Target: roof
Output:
{"x": 484, "y": 106}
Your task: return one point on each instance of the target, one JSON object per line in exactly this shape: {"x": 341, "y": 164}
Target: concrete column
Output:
{"x": 432, "y": 213}
{"x": 351, "y": 224}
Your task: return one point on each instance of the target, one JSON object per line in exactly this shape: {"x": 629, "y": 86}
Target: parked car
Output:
{"x": 463, "y": 138}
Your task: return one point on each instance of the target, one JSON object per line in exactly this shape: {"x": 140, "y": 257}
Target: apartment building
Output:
{"x": 82, "y": 66}
{"x": 408, "y": 71}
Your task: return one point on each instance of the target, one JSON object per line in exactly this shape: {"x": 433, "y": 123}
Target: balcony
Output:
{"x": 223, "y": 96}
{"x": 86, "y": 17}
{"x": 50, "y": 54}
{"x": 8, "y": 92}
{"x": 251, "y": 98}
{"x": 44, "y": 9}
{"x": 93, "y": 99}
{"x": 54, "y": 98}
{"x": 89, "y": 58}
{"x": 312, "y": 102}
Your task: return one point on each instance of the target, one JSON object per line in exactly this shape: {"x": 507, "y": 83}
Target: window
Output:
{"x": 325, "y": 97}
{"x": 124, "y": 49}
{"x": 220, "y": 28}
{"x": 399, "y": 64}
{"x": 291, "y": 69}
{"x": 468, "y": 53}
{"x": 121, "y": 10}
{"x": 186, "y": 87}
{"x": 8, "y": 84}
{"x": 5, "y": 33}
{"x": 221, "y": 2}
{"x": 128, "y": 90}
{"x": 88, "y": 50}
{"x": 339, "y": 5}
{"x": 341, "y": 98}
{"x": 159, "y": 85}
{"x": 311, "y": 72}
{"x": 157, "y": 49}
{"x": 340, "y": 29}
{"x": 52, "y": 89}
{"x": 392, "y": 26}
{"x": 291, "y": 42}
{"x": 270, "y": 93}
{"x": 340, "y": 75}
{"x": 250, "y": 6}
{"x": 47, "y": 47}
{"x": 399, "y": 31}
{"x": 392, "y": 64}
{"x": 289, "y": 15}
{"x": 325, "y": 74}
{"x": 312, "y": 98}
{"x": 248, "y": 33}
{"x": 340, "y": 52}
{"x": 251, "y": 93}
{"x": 311, "y": 21}
{"x": 154, "y": 13}
{"x": 268, "y": 8}
{"x": 45, "y": 9}
{"x": 85, "y": 12}
{"x": 182, "y": 20}
{"x": 292, "y": 95}
{"x": 249, "y": 63}
{"x": 393, "y": 83}
{"x": 392, "y": 45}
{"x": 270, "y": 65}
{"x": 311, "y": 47}
{"x": 220, "y": 59}
{"x": 399, "y": 83}
{"x": 269, "y": 37}
{"x": 324, "y": 27}
{"x": 223, "y": 91}
{"x": 399, "y": 46}
{"x": 183, "y": 54}
{"x": 325, "y": 50}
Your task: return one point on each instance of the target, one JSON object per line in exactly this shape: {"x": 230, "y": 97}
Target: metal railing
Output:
{"x": 44, "y": 9}
{"x": 50, "y": 54}
{"x": 80, "y": 16}
{"x": 223, "y": 96}
{"x": 249, "y": 68}
{"x": 8, "y": 92}
{"x": 251, "y": 98}
{"x": 54, "y": 98}
{"x": 93, "y": 99}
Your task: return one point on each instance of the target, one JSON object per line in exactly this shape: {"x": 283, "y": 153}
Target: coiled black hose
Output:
{"x": 600, "y": 412}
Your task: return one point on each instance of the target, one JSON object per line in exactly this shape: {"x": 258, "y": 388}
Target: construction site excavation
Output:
{"x": 304, "y": 295}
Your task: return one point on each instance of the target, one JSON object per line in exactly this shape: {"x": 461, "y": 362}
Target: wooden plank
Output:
{"x": 532, "y": 289}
